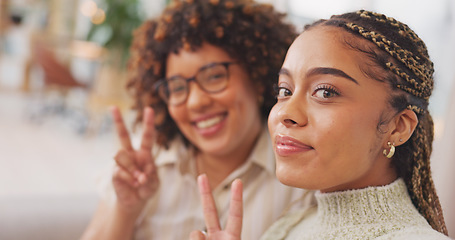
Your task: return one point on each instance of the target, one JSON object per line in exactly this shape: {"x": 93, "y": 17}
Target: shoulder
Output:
{"x": 415, "y": 233}
{"x": 281, "y": 227}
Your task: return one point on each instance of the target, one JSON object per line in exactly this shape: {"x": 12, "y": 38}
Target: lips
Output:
{"x": 209, "y": 122}
{"x": 210, "y": 125}
{"x": 285, "y": 146}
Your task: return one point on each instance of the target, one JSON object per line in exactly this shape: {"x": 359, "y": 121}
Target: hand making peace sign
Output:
{"x": 233, "y": 228}
{"x": 135, "y": 178}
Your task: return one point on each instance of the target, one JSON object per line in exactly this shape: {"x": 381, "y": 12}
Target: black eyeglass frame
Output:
{"x": 164, "y": 81}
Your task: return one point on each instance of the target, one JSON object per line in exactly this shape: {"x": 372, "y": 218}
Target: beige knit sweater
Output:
{"x": 372, "y": 213}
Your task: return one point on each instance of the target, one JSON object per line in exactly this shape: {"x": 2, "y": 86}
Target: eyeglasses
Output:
{"x": 211, "y": 78}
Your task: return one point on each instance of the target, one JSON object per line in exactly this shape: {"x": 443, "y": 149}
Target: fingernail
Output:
{"x": 142, "y": 178}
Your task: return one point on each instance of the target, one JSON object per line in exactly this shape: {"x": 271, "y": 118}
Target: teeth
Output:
{"x": 209, "y": 122}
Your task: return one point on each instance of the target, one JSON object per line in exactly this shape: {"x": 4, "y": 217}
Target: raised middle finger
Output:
{"x": 208, "y": 205}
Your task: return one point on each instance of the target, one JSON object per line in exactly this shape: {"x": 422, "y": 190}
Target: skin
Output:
{"x": 226, "y": 145}
{"x": 222, "y": 147}
{"x": 325, "y": 124}
{"x": 135, "y": 180}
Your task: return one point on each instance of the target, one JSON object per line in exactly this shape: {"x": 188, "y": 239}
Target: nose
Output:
{"x": 197, "y": 98}
{"x": 293, "y": 113}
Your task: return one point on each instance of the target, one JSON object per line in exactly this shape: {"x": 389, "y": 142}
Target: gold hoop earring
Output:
{"x": 391, "y": 152}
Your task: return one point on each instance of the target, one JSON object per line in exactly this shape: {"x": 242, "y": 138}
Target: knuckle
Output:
{"x": 117, "y": 157}
{"x": 117, "y": 172}
{"x": 120, "y": 154}
{"x": 124, "y": 159}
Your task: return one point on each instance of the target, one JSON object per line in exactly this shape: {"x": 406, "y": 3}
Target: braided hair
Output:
{"x": 254, "y": 34}
{"x": 407, "y": 68}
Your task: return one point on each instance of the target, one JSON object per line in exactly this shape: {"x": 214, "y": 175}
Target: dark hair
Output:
{"x": 254, "y": 34}
{"x": 400, "y": 58}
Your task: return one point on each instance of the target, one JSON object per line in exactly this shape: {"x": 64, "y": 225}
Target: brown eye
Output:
{"x": 325, "y": 92}
{"x": 283, "y": 92}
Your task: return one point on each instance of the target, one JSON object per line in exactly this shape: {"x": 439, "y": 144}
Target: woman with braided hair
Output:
{"x": 202, "y": 77}
{"x": 351, "y": 122}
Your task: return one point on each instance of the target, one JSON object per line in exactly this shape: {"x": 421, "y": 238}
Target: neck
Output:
{"x": 217, "y": 167}
{"x": 380, "y": 173}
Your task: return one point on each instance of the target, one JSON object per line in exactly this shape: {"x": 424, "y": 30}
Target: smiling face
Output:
{"x": 325, "y": 124}
{"x": 223, "y": 123}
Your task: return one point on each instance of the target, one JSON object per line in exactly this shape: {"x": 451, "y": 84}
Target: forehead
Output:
{"x": 323, "y": 46}
{"x": 188, "y": 61}
{"x": 333, "y": 47}
{"x": 205, "y": 52}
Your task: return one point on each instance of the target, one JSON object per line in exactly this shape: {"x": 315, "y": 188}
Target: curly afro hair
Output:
{"x": 254, "y": 34}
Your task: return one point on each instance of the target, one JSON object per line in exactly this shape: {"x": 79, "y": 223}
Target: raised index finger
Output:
{"x": 122, "y": 132}
{"x": 149, "y": 129}
{"x": 235, "y": 218}
{"x": 208, "y": 205}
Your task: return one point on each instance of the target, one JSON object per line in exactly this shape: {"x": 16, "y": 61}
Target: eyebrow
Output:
{"x": 330, "y": 71}
{"x": 284, "y": 71}
{"x": 200, "y": 69}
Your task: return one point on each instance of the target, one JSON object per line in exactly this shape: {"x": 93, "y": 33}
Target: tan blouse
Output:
{"x": 176, "y": 209}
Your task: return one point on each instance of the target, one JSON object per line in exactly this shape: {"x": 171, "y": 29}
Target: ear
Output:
{"x": 405, "y": 124}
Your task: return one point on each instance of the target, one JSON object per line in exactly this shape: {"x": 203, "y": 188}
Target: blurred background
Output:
{"x": 62, "y": 64}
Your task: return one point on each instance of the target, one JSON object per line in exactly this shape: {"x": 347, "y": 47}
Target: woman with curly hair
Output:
{"x": 202, "y": 75}
{"x": 351, "y": 122}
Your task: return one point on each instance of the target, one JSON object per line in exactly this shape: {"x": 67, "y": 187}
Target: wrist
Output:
{"x": 127, "y": 212}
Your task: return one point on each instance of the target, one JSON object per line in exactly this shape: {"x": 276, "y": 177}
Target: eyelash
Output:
{"x": 324, "y": 87}
{"x": 327, "y": 88}
{"x": 278, "y": 89}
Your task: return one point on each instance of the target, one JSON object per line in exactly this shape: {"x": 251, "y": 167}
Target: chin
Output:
{"x": 285, "y": 181}
{"x": 286, "y": 177}
{"x": 212, "y": 149}
{"x": 296, "y": 179}
{"x": 217, "y": 147}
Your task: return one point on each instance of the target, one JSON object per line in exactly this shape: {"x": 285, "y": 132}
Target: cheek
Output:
{"x": 345, "y": 132}
{"x": 273, "y": 119}
{"x": 240, "y": 98}
{"x": 177, "y": 114}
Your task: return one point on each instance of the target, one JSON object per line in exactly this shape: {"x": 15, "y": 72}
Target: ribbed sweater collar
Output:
{"x": 365, "y": 206}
